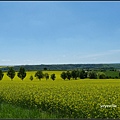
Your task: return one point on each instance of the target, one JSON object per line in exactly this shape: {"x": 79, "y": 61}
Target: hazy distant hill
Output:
{"x": 66, "y": 67}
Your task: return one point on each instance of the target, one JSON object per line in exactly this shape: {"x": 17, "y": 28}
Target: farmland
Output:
{"x": 81, "y": 98}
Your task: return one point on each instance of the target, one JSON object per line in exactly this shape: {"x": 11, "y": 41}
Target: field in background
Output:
{"x": 67, "y": 99}
{"x": 29, "y": 73}
{"x": 57, "y": 73}
{"x": 112, "y": 73}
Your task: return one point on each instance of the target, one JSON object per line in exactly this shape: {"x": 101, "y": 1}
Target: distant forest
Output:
{"x": 62, "y": 67}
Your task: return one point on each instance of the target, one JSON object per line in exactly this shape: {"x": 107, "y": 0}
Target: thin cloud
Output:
{"x": 115, "y": 51}
{"x": 5, "y": 60}
{"x": 110, "y": 52}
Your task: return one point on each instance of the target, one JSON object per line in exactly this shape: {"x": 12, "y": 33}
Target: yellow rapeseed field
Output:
{"x": 69, "y": 99}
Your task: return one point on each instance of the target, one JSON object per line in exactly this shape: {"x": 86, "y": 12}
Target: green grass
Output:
{"x": 13, "y": 111}
{"x": 112, "y": 73}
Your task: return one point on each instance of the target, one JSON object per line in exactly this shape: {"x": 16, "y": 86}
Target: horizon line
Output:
{"x": 57, "y": 64}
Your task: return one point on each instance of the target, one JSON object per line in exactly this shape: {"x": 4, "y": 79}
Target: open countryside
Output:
{"x": 80, "y": 98}
{"x": 60, "y": 60}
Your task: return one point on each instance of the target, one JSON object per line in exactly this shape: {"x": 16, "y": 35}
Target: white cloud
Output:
{"x": 5, "y": 60}
{"x": 106, "y": 53}
{"x": 115, "y": 51}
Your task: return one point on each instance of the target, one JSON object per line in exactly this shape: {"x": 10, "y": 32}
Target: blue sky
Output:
{"x": 59, "y": 32}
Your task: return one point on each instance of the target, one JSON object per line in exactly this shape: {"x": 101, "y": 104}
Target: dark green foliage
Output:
{"x": 31, "y": 77}
{"x": 1, "y": 74}
{"x": 107, "y": 77}
{"x": 101, "y": 75}
{"x": 53, "y": 76}
{"x": 11, "y": 73}
{"x": 112, "y": 73}
{"x": 119, "y": 74}
{"x": 39, "y": 74}
{"x": 116, "y": 77}
{"x": 68, "y": 73}
{"x": 74, "y": 74}
{"x": 110, "y": 77}
{"x": 45, "y": 68}
{"x": 92, "y": 75}
{"x": 83, "y": 74}
{"x": 22, "y": 73}
{"x": 63, "y": 75}
{"x": 46, "y": 75}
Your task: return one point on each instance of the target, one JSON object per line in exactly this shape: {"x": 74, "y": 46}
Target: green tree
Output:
{"x": 1, "y": 74}
{"x": 39, "y": 74}
{"x": 31, "y": 77}
{"x": 53, "y": 77}
{"x": 46, "y": 76}
{"x": 74, "y": 74}
{"x": 45, "y": 68}
{"x": 83, "y": 74}
{"x": 11, "y": 73}
{"x": 92, "y": 75}
{"x": 68, "y": 75}
{"x": 22, "y": 73}
{"x": 119, "y": 74}
{"x": 101, "y": 75}
{"x": 63, "y": 75}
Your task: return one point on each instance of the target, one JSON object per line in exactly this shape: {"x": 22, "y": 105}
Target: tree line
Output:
{"x": 74, "y": 74}
{"x": 82, "y": 74}
{"x": 22, "y": 74}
